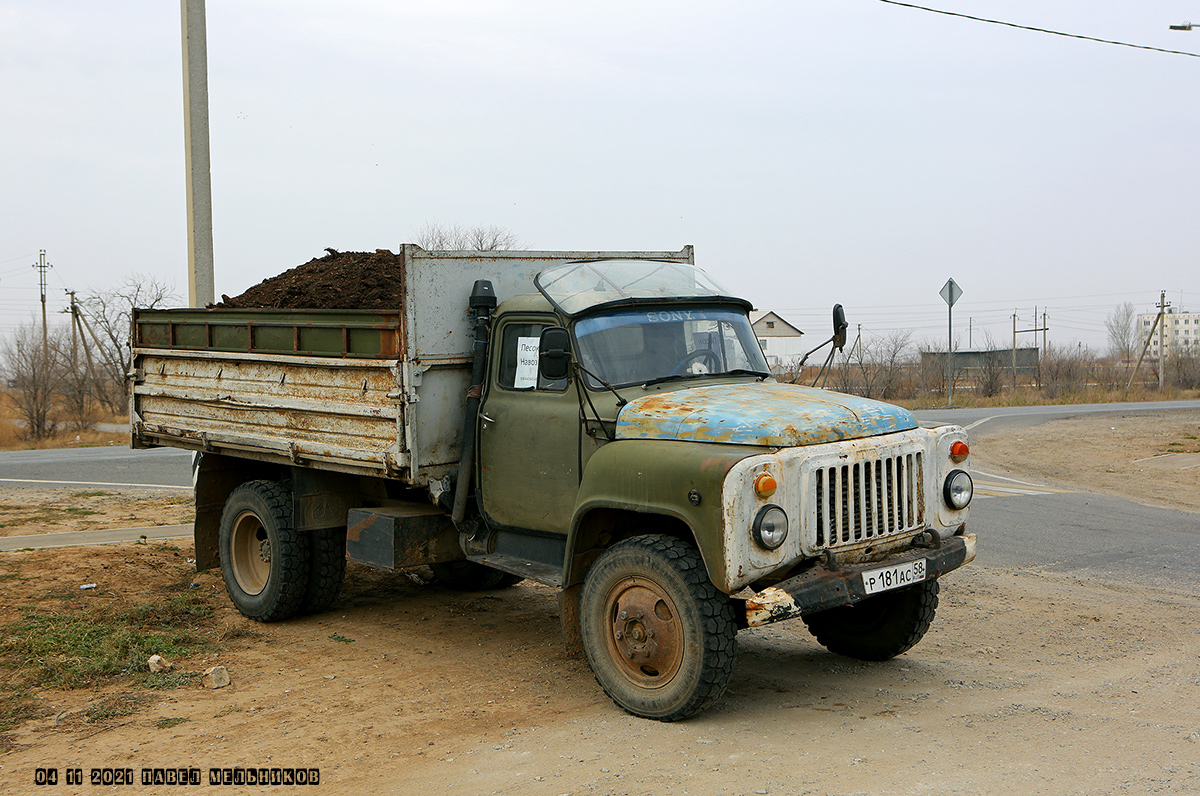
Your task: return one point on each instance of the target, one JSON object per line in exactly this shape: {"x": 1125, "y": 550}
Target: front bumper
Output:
{"x": 821, "y": 588}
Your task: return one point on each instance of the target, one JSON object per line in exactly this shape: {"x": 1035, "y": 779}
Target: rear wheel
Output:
{"x": 327, "y": 568}
{"x": 660, "y": 638}
{"x": 264, "y": 562}
{"x": 469, "y": 576}
{"x": 880, "y": 627}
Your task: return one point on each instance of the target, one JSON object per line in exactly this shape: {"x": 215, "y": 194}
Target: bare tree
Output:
{"x": 1066, "y": 370}
{"x": 77, "y": 388}
{"x": 874, "y": 368}
{"x": 479, "y": 238}
{"x": 1121, "y": 324}
{"x": 991, "y": 373}
{"x": 106, "y": 320}
{"x": 1185, "y": 368}
{"x": 37, "y": 369}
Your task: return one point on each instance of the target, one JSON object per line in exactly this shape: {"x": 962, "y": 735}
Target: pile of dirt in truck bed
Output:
{"x": 337, "y": 281}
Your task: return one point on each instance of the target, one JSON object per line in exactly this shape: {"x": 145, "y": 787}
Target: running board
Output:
{"x": 533, "y": 570}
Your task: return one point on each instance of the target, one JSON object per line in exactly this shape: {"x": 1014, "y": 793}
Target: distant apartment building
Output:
{"x": 1180, "y": 333}
{"x": 779, "y": 339}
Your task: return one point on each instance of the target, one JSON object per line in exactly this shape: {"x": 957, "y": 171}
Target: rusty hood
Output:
{"x": 766, "y": 413}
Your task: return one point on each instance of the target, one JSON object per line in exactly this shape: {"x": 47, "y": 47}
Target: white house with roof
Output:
{"x": 781, "y": 341}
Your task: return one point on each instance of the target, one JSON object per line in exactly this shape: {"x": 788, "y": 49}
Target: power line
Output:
{"x": 1040, "y": 30}
{"x": 21, "y": 257}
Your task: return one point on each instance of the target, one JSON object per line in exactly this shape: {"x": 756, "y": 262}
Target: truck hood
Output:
{"x": 760, "y": 413}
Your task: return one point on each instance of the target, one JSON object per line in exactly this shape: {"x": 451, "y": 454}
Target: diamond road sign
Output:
{"x": 951, "y": 292}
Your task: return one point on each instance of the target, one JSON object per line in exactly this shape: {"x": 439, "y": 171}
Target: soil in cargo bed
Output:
{"x": 337, "y": 281}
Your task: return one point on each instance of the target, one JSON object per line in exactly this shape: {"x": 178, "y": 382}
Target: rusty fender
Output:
{"x": 821, "y": 588}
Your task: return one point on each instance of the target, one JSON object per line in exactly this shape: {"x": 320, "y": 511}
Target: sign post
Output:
{"x": 950, "y": 293}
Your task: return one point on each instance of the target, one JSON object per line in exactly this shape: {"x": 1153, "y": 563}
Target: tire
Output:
{"x": 660, "y": 637}
{"x": 327, "y": 569}
{"x": 470, "y": 576}
{"x": 264, "y": 562}
{"x": 880, "y": 627}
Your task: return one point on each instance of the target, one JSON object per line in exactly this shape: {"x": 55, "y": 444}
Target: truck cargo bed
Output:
{"x": 317, "y": 388}
{"x": 369, "y": 392}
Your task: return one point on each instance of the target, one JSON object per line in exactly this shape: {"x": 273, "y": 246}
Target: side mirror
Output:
{"x": 554, "y": 353}
{"x": 839, "y": 327}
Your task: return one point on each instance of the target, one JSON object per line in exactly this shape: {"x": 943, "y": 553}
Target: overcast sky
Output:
{"x": 848, "y": 151}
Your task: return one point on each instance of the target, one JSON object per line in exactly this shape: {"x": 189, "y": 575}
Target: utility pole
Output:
{"x": 1159, "y": 321}
{"x": 1162, "y": 350}
{"x": 42, "y": 265}
{"x": 1035, "y": 329}
{"x": 74, "y": 331}
{"x": 970, "y": 324}
{"x": 195, "y": 132}
{"x": 1014, "y": 356}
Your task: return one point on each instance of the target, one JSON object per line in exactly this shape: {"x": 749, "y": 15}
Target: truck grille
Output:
{"x": 869, "y": 500}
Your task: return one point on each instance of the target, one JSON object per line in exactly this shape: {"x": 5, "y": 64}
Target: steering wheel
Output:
{"x": 700, "y": 353}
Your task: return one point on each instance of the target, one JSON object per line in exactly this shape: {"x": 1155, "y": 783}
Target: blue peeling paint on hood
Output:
{"x": 759, "y": 413}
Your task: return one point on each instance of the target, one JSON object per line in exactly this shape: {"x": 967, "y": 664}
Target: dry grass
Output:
{"x": 52, "y": 636}
{"x": 1032, "y": 396}
{"x": 13, "y": 437}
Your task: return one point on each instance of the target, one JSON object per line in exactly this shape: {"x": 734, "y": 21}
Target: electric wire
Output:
{"x": 1040, "y": 30}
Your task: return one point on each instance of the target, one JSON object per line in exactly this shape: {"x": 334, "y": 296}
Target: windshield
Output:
{"x": 574, "y": 287}
{"x": 650, "y": 344}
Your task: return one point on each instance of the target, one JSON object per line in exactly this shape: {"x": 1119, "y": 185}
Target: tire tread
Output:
{"x": 327, "y": 569}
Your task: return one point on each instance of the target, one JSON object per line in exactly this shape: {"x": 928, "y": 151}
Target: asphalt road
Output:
{"x": 1096, "y": 536}
{"x": 114, "y": 466}
{"x": 1017, "y": 417}
{"x": 1024, "y": 525}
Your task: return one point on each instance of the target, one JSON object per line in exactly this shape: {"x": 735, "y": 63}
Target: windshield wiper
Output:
{"x": 674, "y": 376}
{"x": 735, "y": 372}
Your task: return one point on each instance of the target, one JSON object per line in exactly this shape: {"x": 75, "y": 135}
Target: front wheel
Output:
{"x": 879, "y": 627}
{"x": 264, "y": 562}
{"x": 660, "y": 638}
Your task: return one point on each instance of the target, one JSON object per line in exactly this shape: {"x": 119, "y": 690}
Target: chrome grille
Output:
{"x": 869, "y": 500}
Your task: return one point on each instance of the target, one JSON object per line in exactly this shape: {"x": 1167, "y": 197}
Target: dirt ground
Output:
{"x": 25, "y": 511}
{"x": 1150, "y": 458}
{"x": 1028, "y": 682}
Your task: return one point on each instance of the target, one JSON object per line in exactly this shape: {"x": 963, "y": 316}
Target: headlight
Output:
{"x": 958, "y": 489}
{"x": 770, "y": 527}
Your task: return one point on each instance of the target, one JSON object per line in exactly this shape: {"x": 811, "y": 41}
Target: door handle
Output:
{"x": 485, "y": 418}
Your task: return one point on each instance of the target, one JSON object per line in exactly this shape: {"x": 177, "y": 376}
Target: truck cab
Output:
{"x": 629, "y": 413}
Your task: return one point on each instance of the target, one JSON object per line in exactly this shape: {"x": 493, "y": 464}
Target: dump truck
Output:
{"x": 601, "y": 422}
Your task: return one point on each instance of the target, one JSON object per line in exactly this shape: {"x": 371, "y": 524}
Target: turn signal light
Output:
{"x": 959, "y": 451}
{"x": 765, "y": 485}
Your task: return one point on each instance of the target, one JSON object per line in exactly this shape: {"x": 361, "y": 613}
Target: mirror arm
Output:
{"x": 620, "y": 399}
{"x": 582, "y": 392}
{"x": 804, "y": 358}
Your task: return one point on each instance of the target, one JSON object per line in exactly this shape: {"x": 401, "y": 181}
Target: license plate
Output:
{"x": 894, "y": 577}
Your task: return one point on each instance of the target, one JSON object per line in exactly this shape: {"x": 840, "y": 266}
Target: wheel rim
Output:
{"x": 643, "y": 633}
{"x": 250, "y": 553}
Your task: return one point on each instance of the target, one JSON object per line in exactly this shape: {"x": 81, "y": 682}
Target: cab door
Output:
{"x": 528, "y": 435}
